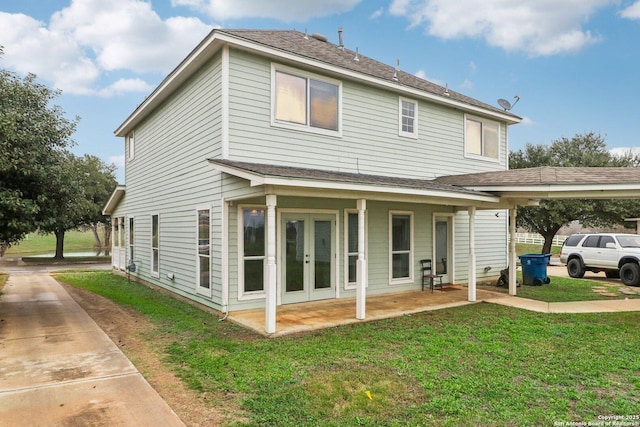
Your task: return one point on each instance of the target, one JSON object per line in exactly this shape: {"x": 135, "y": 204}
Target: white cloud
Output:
{"x": 623, "y": 151}
{"x": 631, "y": 12}
{"x": 537, "y": 27}
{"x": 283, "y": 10}
{"x": 467, "y": 84}
{"x": 377, "y": 14}
{"x": 527, "y": 121}
{"x": 423, "y": 75}
{"x": 82, "y": 42}
{"x": 472, "y": 66}
{"x": 123, "y": 86}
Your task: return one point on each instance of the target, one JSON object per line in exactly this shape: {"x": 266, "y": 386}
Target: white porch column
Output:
{"x": 361, "y": 264}
{"x": 472, "y": 253}
{"x": 270, "y": 285}
{"x": 512, "y": 250}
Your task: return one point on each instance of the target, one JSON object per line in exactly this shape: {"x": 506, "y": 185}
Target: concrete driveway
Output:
{"x": 58, "y": 368}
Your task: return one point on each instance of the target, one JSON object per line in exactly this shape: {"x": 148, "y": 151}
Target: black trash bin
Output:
{"x": 534, "y": 268}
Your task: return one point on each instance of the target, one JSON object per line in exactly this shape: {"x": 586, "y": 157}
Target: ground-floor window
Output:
{"x": 204, "y": 248}
{"x": 253, "y": 249}
{"x": 401, "y": 246}
{"x": 131, "y": 245}
{"x": 155, "y": 244}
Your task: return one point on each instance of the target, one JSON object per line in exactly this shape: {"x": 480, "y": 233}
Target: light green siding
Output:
{"x": 170, "y": 176}
{"x": 369, "y": 142}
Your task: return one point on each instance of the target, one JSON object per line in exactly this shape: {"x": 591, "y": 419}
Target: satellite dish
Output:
{"x": 506, "y": 104}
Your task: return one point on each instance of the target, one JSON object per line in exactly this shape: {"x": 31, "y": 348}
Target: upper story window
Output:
{"x": 408, "y": 118}
{"x": 131, "y": 146}
{"x": 481, "y": 138}
{"x": 305, "y": 101}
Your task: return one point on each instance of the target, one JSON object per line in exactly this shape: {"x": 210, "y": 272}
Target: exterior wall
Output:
{"x": 169, "y": 176}
{"x": 369, "y": 142}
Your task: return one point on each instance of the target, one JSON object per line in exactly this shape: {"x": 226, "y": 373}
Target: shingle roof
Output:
{"x": 295, "y": 42}
{"x": 265, "y": 170}
{"x": 547, "y": 175}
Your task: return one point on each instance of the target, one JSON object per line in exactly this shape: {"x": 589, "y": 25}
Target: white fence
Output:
{"x": 537, "y": 239}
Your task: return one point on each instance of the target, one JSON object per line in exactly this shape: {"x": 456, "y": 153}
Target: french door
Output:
{"x": 308, "y": 257}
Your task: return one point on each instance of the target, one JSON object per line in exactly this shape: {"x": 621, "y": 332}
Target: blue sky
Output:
{"x": 574, "y": 63}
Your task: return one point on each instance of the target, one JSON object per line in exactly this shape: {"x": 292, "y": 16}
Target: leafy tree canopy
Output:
{"x": 583, "y": 150}
{"x": 33, "y": 134}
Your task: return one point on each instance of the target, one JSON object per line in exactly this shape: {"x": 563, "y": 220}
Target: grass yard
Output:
{"x": 528, "y": 248}
{"x": 480, "y": 365}
{"x": 39, "y": 244}
{"x": 563, "y": 289}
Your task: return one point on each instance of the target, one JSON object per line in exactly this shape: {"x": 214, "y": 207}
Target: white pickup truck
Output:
{"x": 618, "y": 255}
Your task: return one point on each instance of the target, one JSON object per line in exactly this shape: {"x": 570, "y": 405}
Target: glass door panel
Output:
{"x": 442, "y": 247}
{"x": 322, "y": 254}
{"x": 295, "y": 264}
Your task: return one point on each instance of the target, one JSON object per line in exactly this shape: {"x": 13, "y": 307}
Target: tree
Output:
{"x": 79, "y": 189}
{"x": 33, "y": 133}
{"x": 583, "y": 150}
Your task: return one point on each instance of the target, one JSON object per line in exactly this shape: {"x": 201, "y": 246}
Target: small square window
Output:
{"x": 408, "y": 118}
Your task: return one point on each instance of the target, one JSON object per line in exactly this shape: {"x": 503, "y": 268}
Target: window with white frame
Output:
{"x": 253, "y": 248}
{"x": 408, "y": 118}
{"x": 204, "y": 248}
{"x": 131, "y": 236}
{"x": 131, "y": 145}
{"x": 155, "y": 244}
{"x": 482, "y": 138}
{"x": 351, "y": 247}
{"x": 401, "y": 247}
{"x": 306, "y": 101}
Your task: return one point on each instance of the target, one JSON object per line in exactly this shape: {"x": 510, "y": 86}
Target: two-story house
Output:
{"x": 274, "y": 167}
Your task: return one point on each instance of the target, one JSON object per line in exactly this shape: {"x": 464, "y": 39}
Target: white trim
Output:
{"x": 153, "y": 273}
{"x": 345, "y": 229}
{"x": 131, "y": 244}
{"x": 306, "y": 75}
{"x": 416, "y": 105}
{"x": 242, "y": 295}
{"x": 482, "y": 121}
{"x": 131, "y": 145}
{"x": 201, "y": 289}
{"x": 224, "y": 99}
{"x": 224, "y": 223}
{"x": 114, "y": 200}
{"x": 401, "y": 280}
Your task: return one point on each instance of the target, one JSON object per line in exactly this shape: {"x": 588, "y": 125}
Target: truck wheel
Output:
{"x": 575, "y": 268}
{"x": 630, "y": 274}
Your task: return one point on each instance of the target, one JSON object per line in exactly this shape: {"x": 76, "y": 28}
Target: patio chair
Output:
{"x": 429, "y": 275}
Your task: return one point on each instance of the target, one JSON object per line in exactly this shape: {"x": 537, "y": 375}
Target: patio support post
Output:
{"x": 361, "y": 264}
{"x": 472, "y": 254}
{"x": 512, "y": 250}
{"x": 270, "y": 285}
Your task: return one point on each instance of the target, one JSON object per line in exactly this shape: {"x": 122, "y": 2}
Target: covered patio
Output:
{"x": 310, "y": 316}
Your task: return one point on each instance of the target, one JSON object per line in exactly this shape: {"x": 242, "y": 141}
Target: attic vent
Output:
{"x": 320, "y": 37}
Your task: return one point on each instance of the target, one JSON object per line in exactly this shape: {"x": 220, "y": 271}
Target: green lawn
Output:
{"x": 38, "y": 244}
{"x": 565, "y": 289}
{"x": 477, "y": 365}
{"x": 527, "y": 248}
